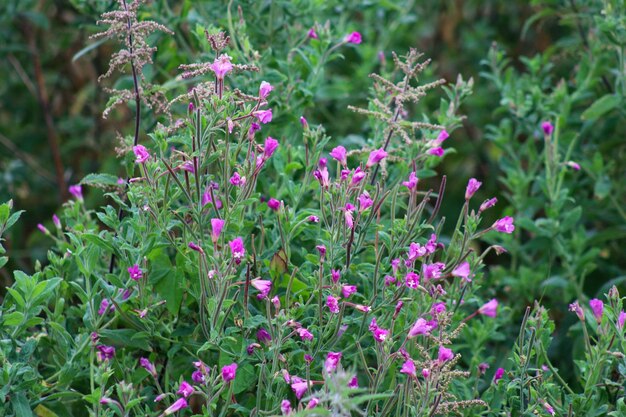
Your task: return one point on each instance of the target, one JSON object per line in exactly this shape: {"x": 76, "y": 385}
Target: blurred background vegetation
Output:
{"x": 530, "y": 61}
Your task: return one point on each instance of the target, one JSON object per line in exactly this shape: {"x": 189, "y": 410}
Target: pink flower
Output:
{"x": 185, "y": 389}
{"x": 285, "y": 407}
{"x": 396, "y": 311}
{"x": 264, "y": 286}
{"x": 412, "y": 280}
{"x": 76, "y": 191}
{"x": 411, "y": 184}
{"x": 421, "y": 326}
{"x": 354, "y": 382}
{"x": 237, "y": 180}
{"x": 380, "y": 334}
{"x": 264, "y": 116}
{"x": 237, "y": 249}
{"x": 188, "y": 166}
{"x": 216, "y": 229}
{"x": 333, "y": 304}
{"x": 141, "y": 154}
{"x": 438, "y": 308}
{"x": 56, "y": 221}
{"x": 498, "y": 375}
{"x": 335, "y": 275}
{"x": 621, "y": 319}
{"x": 574, "y": 165}
{"x": 425, "y": 372}
{"x": 263, "y": 336}
{"x": 576, "y": 308}
{"x": 408, "y": 368}
{"x": 348, "y": 290}
{"x": 462, "y": 271}
{"x": 196, "y": 247}
{"x": 548, "y": 408}
{"x": 177, "y": 406}
{"x": 229, "y": 372}
{"x": 299, "y": 386}
{"x": 269, "y": 147}
{"x": 312, "y": 34}
{"x": 441, "y": 137}
{"x": 104, "y": 307}
{"x": 365, "y": 201}
{"x": 339, "y": 154}
{"x": 375, "y": 157}
{"x": 135, "y": 272}
{"x": 354, "y": 37}
{"x": 438, "y": 151}
{"x": 265, "y": 89}
{"x": 254, "y": 127}
{"x": 358, "y": 176}
{"x": 444, "y": 354}
{"x": 304, "y": 334}
{"x": 273, "y": 204}
{"x": 487, "y": 204}
{"x": 472, "y": 186}
{"x": 597, "y": 307}
{"x": 322, "y": 250}
{"x": 303, "y": 122}
{"x": 332, "y": 361}
{"x": 416, "y": 251}
{"x": 221, "y": 66}
{"x": 362, "y": 308}
{"x": 276, "y": 301}
{"x": 489, "y": 309}
{"x": 433, "y": 271}
{"x": 504, "y": 225}
{"x": 313, "y": 403}
{"x": 547, "y": 128}
{"x": 347, "y": 214}
{"x": 148, "y": 366}
{"x": 322, "y": 175}
{"x": 230, "y": 124}
{"x": 482, "y": 368}
{"x": 313, "y": 219}
{"x": 206, "y": 199}
{"x": 43, "y": 229}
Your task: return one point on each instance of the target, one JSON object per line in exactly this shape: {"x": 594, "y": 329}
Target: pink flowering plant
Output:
{"x": 246, "y": 263}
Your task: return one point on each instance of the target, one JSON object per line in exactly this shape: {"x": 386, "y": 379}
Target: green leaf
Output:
{"x": 13, "y": 319}
{"x": 99, "y": 242}
{"x": 21, "y": 406}
{"x": 601, "y": 106}
{"x": 100, "y": 180}
{"x": 3, "y": 261}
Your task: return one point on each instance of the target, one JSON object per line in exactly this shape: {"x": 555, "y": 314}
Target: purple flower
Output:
{"x": 188, "y": 166}
{"x": 489, "y": 309}
{"x": 335, "y": 275}
{"x": 358, "y": 176}
{"x": 487, "y": 204}
{"x": 548, "y": 408}
{"x": 237, "y": 249}
{"x": 185, "y": 389}
{"x": 375, "y": 157}
{"x": 444, "y": 355}
{"x": 482, "y": 367}
{"x": 254, "y": 127}
{"x": 498, "y": 375}
{"x": 216, "y": 229}
{"x": 339, "y": 153}
{"x": 348, "y": 217}
{"x": 56, "y": 221}
{"x": 621, "y": 319}
{"x": 462, "y": 271}
{"x": 221, "y": 66}
{"x": 472, "y": 186}
{"x": 441, "y": 137}
{"x": 332, "y": 304}
{"x": 438, "y": 308}
{"x": 411, "y": 184}
{"x": 196, "y": 247}
{"x": 264, "y": 116}
{"x": 504, "y": 225}
{"x": 322, "y": 250}
{"x": 574, "y": 165}
{"x": 105, "y": 353}
{"x": 269, "y": 147}
{"x": 312, "y": 34}
{"x": 148, "y": 366}
{"x": 104, "y": 307}
{"x": 263, "y": 336}
{"x": 276, "y": 301}
{"x": 265, "y": 89}
{"x": 135, "y": 272}
{"x": 354, "y": 382}
{"x": 264, "y": 287}
{"x": 177, "y": 406}
{"x": 332, "y": 361}
{"x": 425, "y": 372}
{"x": 299, "y": 386}
{"x": 354, "y": 37}
{"x": 313, "y": 219}
{"x": 303, "y": 122}
{"x": 438, "y": 151}
{"x": 273, "y": 204}
{"x": 285, "y": 407}
{"x": 43, "y": 229}
{"x": 380, "y": 334}
{"x": 76, "y": 191}
{"x": 229, "y": 372}
{"x": 408, "y": 368}
{"x": 313, "y": 403}
{"x": 597, "y": 307}
{"x": 547, "y": 128}
{"x": 237, "y": 180}
{"x": 399, "y": 306}
{"x": 198, "y": 377}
